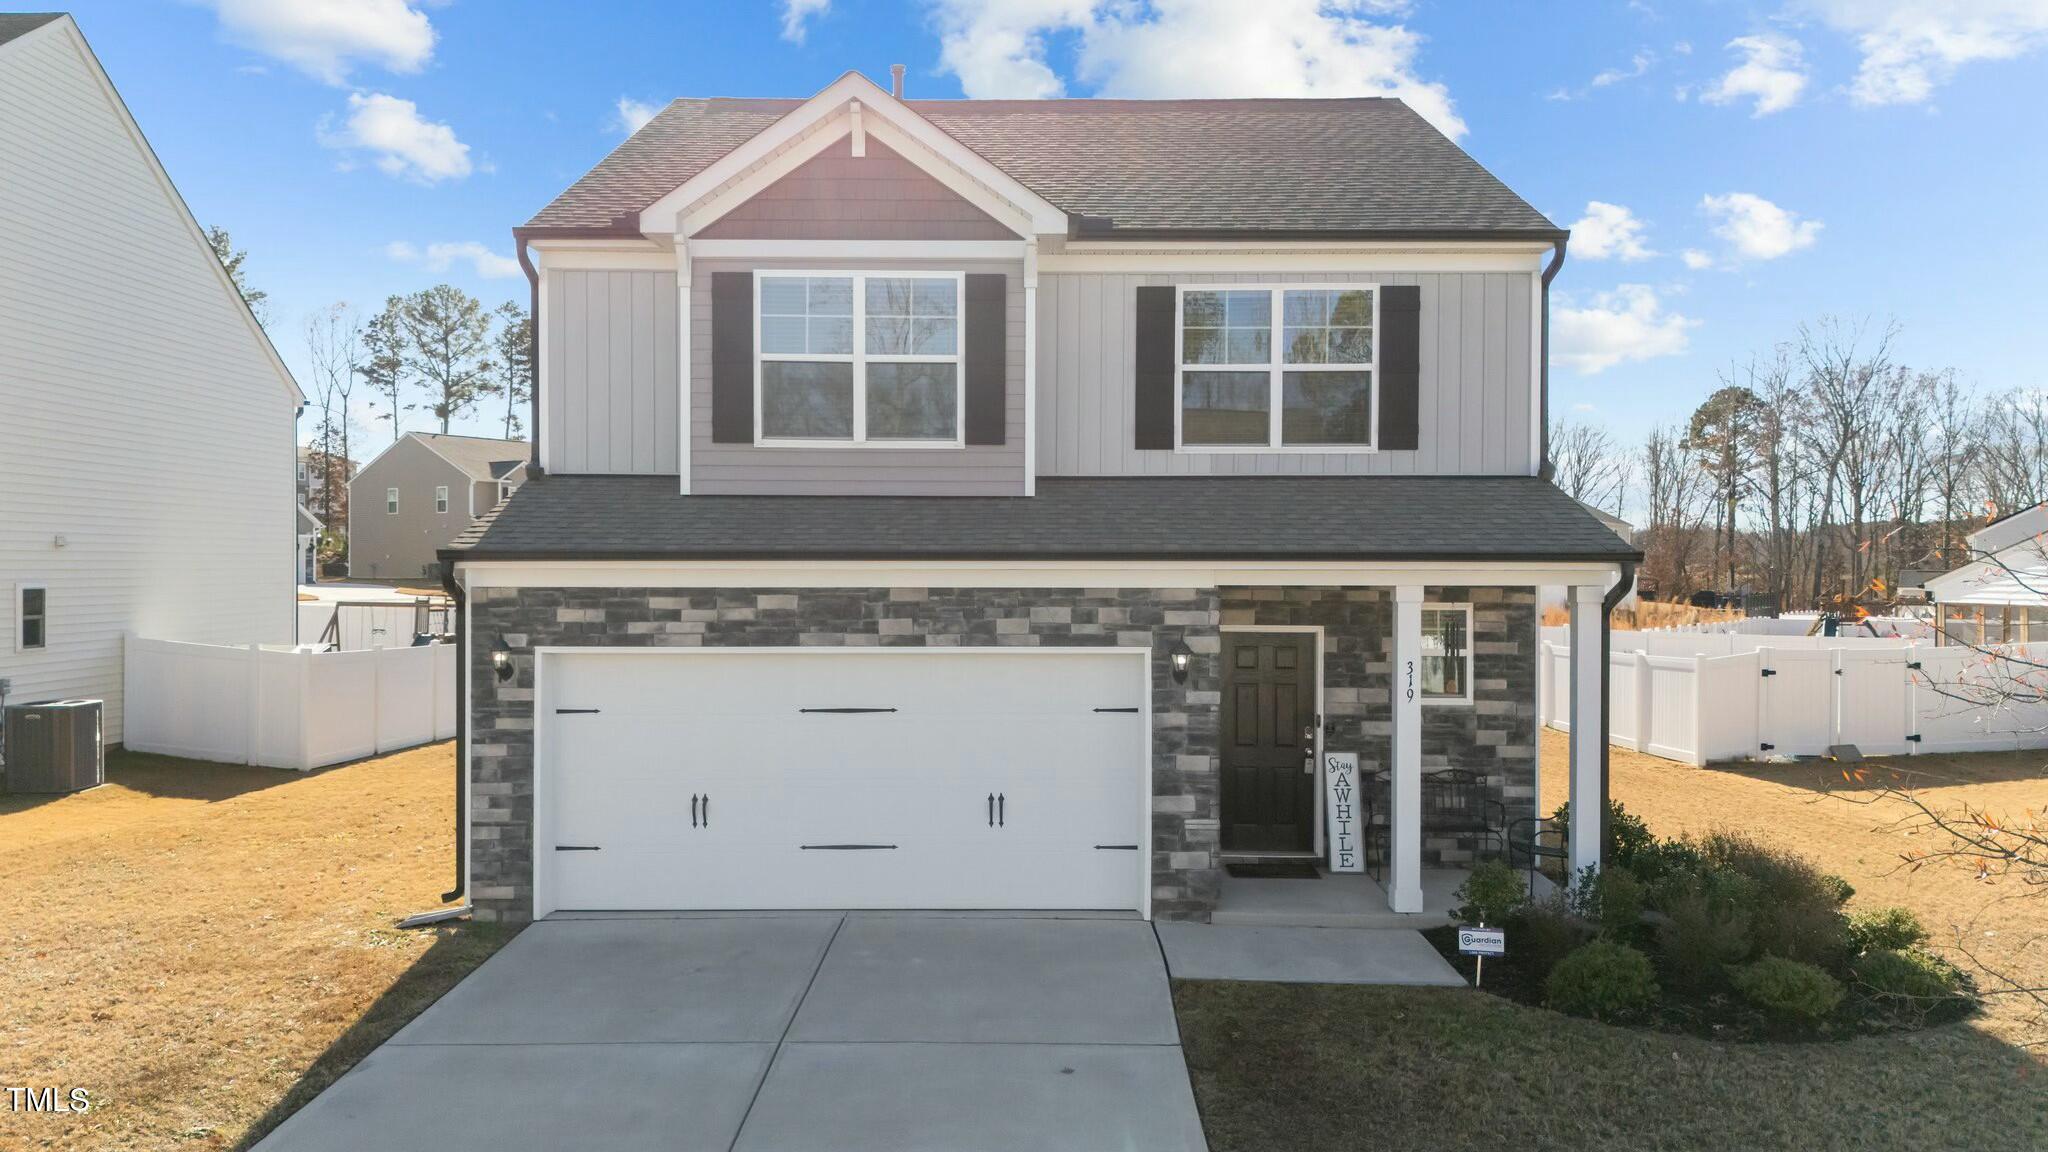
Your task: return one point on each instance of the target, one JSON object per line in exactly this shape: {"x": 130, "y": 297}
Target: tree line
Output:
{"x": 1815, "y": 472}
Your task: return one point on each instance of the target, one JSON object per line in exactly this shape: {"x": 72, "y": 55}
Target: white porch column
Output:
{"x": 1404, "y": 866}
{"x": 1589, "y": 690}
{"x": 683, "y": 361}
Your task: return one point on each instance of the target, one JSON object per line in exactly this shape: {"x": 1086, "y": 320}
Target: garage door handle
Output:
{"x": 707, "y": 809}
{"x": 1000, "y": 801}
{"x": 991, "y": 809}
{"x": 693, "y": 809}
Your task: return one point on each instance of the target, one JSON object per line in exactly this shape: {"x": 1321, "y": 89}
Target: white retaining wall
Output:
{"x": 281, "y": 708}
{"x": 1776, "y": 699}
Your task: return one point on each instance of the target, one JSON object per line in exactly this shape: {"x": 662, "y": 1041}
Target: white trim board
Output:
{"x": 1015, "y": 574}
{"x": 542, "y": 827}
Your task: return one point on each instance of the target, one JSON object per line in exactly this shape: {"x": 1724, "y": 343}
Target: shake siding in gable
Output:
{"x": 1476, "y": 383}
{"x": 141, "y": 419}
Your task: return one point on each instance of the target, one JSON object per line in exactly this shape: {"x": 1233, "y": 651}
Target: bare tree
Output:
{"x": 1779, "y": 475}
{"x": 1848, "y": 381}
{"x": 1587, "y": 464}
{"x": 1951, "y": 451}
{"x": 1677, "y": 497}
{"x": 334, "y": 344}
{"x": 2012, "y": 451}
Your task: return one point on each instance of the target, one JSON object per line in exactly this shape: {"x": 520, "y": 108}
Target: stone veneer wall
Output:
{"x": 1184, "y": 718}
{"x": 1495, "y": 735}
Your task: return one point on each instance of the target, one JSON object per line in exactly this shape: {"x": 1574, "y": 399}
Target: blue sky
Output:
{"x": 1729, "y": 169}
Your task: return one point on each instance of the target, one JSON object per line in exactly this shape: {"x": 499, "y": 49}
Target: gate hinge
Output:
{"x": 1913, "y": 739}
{"x": 1767, "y": 747}
{"x": 1770, "y": 671}
{"x": 1838, "y": 671}
{"x": 1913, "y": 664}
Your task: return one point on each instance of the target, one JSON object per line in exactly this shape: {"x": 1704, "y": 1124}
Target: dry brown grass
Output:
{"x": 1809, "y": 808}
{"x": 1650, "y": 614}
{"x": 196, "y": 944}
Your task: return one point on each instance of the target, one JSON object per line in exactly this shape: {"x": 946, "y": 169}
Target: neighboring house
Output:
{"x": 1047, "y": 485}
{"x": 418, "y": 495}
{"x": 146, "y": 423}
{"x": 313, "y": 481}
{"x": 2001, "y": 595}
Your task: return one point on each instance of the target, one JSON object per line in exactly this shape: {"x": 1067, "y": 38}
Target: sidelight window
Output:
{"x": 1446, "y": 653}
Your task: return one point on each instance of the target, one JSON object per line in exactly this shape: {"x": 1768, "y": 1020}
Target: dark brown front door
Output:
{"x": 1269, "y": 693}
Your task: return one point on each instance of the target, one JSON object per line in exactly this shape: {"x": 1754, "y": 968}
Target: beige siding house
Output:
{"x": 419, "y": 495}
{"x": 146, "y": 482}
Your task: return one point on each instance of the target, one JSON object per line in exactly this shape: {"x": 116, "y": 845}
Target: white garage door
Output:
{"x": 735, "y": 778}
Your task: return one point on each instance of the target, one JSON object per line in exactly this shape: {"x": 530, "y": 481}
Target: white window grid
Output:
{"x": 1275, "y": 366}
{"x": 859, "y": 358}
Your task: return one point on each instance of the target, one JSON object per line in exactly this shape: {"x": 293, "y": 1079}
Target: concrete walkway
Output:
{"x": 789, "y": 1033}
{"x": 1303, "y": 955}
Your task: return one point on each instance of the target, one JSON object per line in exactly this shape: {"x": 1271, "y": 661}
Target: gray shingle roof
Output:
{"x": 480, "y": 456}
{"x": 1364, "y": 165}
{"x": 1177, "y": 517}
{"x": 18, "y": 24}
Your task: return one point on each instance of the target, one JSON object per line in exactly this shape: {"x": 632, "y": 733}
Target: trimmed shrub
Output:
{"x": 1628, "y": 837}
{"x": 1604, "y": 980}
{"x": 1544, "y": 933}
{"x": 1907, "y": 978}
{"x": 1885, "y": 929}
{"x": 1794, "y": 909}
{"x": 1665, "y": 858}
{"x": 1490, "y": 893}
{"x": 1699, "y": 938}
{"x": 1613, "y": 899}
{"x": 1793, "y": 993}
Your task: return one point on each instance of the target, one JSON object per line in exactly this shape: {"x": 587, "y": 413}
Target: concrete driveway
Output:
{"x": 786, "y": 1032}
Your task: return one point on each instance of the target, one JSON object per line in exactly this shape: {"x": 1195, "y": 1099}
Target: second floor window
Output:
{"x": 1287, "y": 369}
{"x": 441, "y": 498}
{"x": 391, "y": 501}
{"x": 862, "y": 358}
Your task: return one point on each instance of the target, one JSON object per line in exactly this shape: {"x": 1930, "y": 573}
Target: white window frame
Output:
{"x": 859, "y": 358}
{"x": 1432, "y": 606}
{"x": 441, "y": 499}
{"x": 1275, "y": 368}
{"x": 21, "y": 592}
{"x": 391, "y": 501}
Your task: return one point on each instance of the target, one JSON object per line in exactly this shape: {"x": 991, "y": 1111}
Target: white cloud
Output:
{"x": 1609, "y": 232}
{"x": 1191, "y": 48}
{"x": 633, "y": 115}
{"x": 1772, "y": 73}
{"x": 327, "y": 38}
{"x": 1910, "y": 47}
{"x": 404, "y": 143}
{"x": 1758, "y": 229}
{"x": 1626, "y": 324}
{"x": 797, "y": 13}
{"x": 439, "y": 257}
{"x": 1696, "y": 259}
{"x": 1638, "y": 64}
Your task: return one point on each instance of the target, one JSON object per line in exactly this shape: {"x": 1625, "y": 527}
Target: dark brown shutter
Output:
{"x": 1400, "y": 367}
{"x": 732, "y": 358}
{"x": 985, "y": 357}
{"x": 1153, "y": 388}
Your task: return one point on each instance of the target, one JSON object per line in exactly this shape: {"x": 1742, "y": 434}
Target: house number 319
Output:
{"x": 1409, "y": 669}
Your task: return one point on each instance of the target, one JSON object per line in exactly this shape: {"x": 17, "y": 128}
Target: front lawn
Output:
{"x": 204, "y": 947}
{"x": 1294, "y": 1068}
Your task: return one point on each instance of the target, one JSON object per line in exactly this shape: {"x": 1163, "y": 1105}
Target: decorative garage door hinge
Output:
{"x": 575, "y": 847}
{"x": 845, "y": 711}
{"x": 1116, "y": 710}
{"x": 575, "y": 711}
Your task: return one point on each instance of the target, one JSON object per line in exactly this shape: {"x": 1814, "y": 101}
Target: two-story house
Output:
{"x": 417, "y": 496}
{"x": 1020, "y": 504}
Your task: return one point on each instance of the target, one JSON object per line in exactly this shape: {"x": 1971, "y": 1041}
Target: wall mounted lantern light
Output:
{"x": 1181, "y": 656}
{"x": 501, "y": 661}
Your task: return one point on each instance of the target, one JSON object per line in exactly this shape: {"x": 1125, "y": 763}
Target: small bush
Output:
{"x": 1699, "y": 938}
{"x": 1628, "y": 837}
{"x": 1907, "y": 978}
{"x": 1794, "y": 909}
{"x": 1490, "y": 893}
{"x": 1613, "y": 899}
{"x": 1543, "y": 933}
{"x": 1604, "y": 980}
{"x": 1665, "y": 858}
{"x": 1885, "y": 929}
{"x": 1792, "y": 993}
{"x": 1840, "y": 887}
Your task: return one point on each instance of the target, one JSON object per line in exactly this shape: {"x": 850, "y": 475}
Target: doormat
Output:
{"x": 1273, "y": 870}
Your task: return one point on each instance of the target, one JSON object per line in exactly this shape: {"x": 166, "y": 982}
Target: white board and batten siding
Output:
{"x": 142, "y": 418}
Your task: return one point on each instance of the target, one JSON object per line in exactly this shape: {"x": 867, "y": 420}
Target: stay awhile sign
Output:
{"x": 1341, "y": 803}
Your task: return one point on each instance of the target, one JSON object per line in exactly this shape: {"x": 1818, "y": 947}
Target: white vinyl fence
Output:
{"x": 1698, "y": 698}
{"x": 361, "y": 625}
{"x": 285, "y": 708}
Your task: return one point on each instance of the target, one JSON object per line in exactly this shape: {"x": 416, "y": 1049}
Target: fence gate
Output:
{"x": 1797, "y": 697}
{"x": 1876, "y": 704}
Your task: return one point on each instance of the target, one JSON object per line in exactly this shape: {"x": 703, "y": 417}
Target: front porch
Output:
{"x": 1336, "y": 900}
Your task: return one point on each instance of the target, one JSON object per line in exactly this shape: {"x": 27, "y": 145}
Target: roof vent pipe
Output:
{"x": 896, "y": 81}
